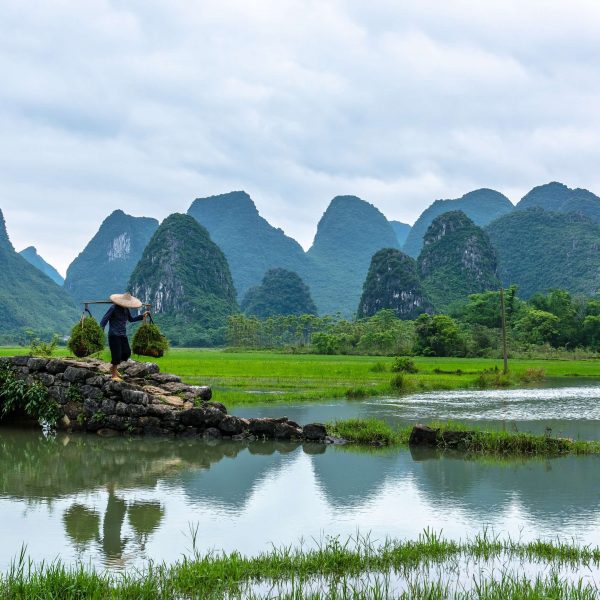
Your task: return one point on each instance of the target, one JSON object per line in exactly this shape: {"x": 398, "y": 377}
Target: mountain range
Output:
{"x": 550, "y": 239}
{"x": 32, "y": 257}
{"x": 28, "y": 298}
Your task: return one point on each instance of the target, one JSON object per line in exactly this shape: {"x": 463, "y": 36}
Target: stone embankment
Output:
{"x": 146, "y": 402}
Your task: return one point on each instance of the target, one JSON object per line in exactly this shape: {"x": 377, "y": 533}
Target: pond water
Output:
{"x": 118, "y": 502}
{"x": 569, "y": 408}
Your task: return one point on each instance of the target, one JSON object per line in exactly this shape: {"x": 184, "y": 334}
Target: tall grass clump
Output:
{"x": 149, "y": 341}
{"x": 87, "y": 338}
{"x": 533, "y": 375}
{"x": 365, "y": 431}
{"x": 403, "y": 364}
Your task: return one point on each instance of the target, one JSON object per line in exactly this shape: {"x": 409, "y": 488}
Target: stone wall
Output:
{"x": 146, "y": 402}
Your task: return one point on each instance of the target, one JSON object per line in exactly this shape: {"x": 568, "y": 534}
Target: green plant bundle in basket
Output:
{"x": 149, "y": 341}
{"x": 86, "y": 338}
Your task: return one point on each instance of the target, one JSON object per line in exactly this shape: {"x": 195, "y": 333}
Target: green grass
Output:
{"x": 356, "y": 568}
{"x": 375, "y": 432}
{"x": 266, "y": 377}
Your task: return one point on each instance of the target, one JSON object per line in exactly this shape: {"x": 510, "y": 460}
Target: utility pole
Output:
{"x": 504, "y": 349}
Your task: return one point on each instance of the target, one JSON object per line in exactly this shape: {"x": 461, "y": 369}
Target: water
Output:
{"x": 118, "y": 502}
{"x": 571, "y": 410}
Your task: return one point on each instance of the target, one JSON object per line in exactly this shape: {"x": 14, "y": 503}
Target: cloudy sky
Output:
{"x": 145, "y": 105}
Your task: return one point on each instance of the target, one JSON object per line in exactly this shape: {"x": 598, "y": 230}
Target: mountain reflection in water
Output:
{"x": 119, "y": 502}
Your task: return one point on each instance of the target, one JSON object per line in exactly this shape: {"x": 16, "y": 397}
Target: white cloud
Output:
{"x": 147, "y": 105}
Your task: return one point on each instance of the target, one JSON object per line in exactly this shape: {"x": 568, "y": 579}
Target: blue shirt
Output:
{"x": 118, "y": 317}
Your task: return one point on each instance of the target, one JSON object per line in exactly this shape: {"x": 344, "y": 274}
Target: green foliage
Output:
{"x": 16, "y": 394}
{"x": 106, "y": 263}
{"x": 397, "y": 382}
{"x": 457, "y": 260}
{"x": 438, "y": 335}
{"x": 349, "y": 233}
{"x": 365, "y": 431}
{"x": 280, "y": 293}
{"x": 493, "y": 378}
{"x": 561, "y": 251}
{"x": 184, "y": 274}
{"x": 481, "y": 206}
{"x": 28, "y": 298}
{"x": 252, "y": 246}
{"x": 538, "y": 327}
{"x": 393, "y": 283}
{"x": 43, "y": 349}
{"x": 87, "y": 338}
{"x": 403, "y": 364}
{"x": 149, "y": 341}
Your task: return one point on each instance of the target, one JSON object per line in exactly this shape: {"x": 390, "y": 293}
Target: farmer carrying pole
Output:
{"x": 118, "y": 316}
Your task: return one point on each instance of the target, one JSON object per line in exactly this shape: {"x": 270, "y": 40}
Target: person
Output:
{"x": 118, "y": 315}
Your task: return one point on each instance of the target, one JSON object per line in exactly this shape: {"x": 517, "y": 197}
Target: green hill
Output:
{"x": 186, "y": 278}
{"x": 401, "y": 230}
{"x": 28, "y": 298}
{"x": 105, "y": 265}
{"x": 252, "y": 246}
{"x": 481, "y": 206}
{"x": 557, "y": 197}
{"x": 457, "y": 259}
{"x": 33, "y": 258}
{"x": 349, "y": 233}
{"x": 393, "y": 282}
{"x": 540, "y": 250}
{"x": 280, "y": 293}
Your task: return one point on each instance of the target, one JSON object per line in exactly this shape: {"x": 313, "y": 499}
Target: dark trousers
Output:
{"x": 119, "y": 348}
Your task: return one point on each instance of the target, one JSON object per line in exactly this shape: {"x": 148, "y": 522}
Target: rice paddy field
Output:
{"x": 268, "y": 377}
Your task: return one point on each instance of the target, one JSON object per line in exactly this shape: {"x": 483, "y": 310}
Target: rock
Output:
{"x": 162, "y": 378}
{"x": 231, "y": 425}
{"x": 216, "y": 405}
{"x": 122, "y": 409}
{"x": 175, "y": 387}
{"x": 134, "y": 396}
{"x": 153, "y": 390}
{"x": 58, "y": 393}
{"x": 64, "y": 422}
{"x": 285, "y": 431}
{"x": 201, "y": 417}
{"x": 141, "y": 370}
{"x": 203, "y": 392}
{"x": 45, "y": 379}
{"x": 90, "y": 407}
{"x": 115, "y": 422}
{"x": 19, "y": 361}
{"x": 175, "y": 401}
{"x": 75, "y": 375}
{"x": 159, "y": 410}
{"x": 72, "y": 410}
{"x": 137, "y": 410}
{"x": 108, "y": 406}
{"x": 212, "y": 433}
{"x": 97, "y": 380}
{"x": 314, "y": 432}
{"x": 37, "y": 364}
{"x": 88, "y": 391}
{"x": 262, "y": 427}
{"x": 56, "y": 366}
{"x": 422, "y": 435}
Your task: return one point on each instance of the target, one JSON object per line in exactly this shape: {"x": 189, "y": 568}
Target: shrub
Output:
{"x": 493, "y": 378}
{"x": 37, "y": 347}
{"x": 403, "y": 364}
{"x": 149, "y": 341}
{"x": 397, "y": 382}
{"x": 356, "y": 393}
{"x": 86, "y": 338}
{"x": 532, "y": 375}
{"x": 32, "y": 398}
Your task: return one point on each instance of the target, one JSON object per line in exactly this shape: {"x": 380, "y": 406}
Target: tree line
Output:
{"x": 542, "y": 324}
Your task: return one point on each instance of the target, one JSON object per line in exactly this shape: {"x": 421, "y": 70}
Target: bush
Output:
{"x": 86, "y": 338}
{"x": 532, "y": 375}
{"x": 38, "y": 347}
{"x": 149, "y": 341}
{"x": 402, "y": 364}
{"x": 32, "y": 398}
{"x": 397, "y": 382}
{"x": 493, "y": 378}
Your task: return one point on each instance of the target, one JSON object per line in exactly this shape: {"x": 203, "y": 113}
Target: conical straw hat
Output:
{"x": 126, "y": 300}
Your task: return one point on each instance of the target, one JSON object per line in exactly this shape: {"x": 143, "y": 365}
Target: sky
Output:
{"x": 145, "y": 105}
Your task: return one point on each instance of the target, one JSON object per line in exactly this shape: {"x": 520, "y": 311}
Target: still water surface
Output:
{"x": 119, "y": 502}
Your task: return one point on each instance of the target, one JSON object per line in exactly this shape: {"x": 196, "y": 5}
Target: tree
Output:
{"x": 438, "y": 335}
